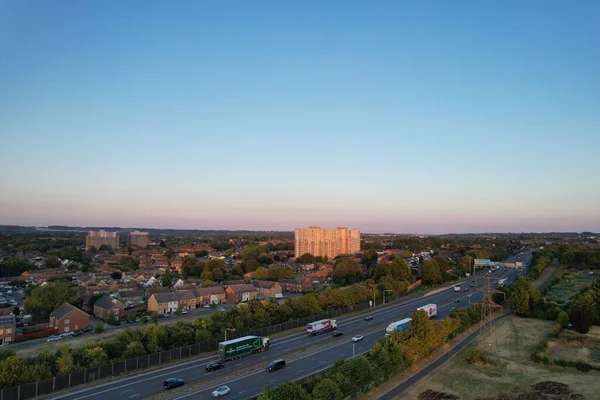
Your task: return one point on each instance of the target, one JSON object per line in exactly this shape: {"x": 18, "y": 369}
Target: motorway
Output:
{"x": 304, "y": 355}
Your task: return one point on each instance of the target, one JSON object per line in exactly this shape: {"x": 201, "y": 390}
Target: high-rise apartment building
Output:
{"x": 139, "y": 239}
{"x": 99, "y": 238}
{"x": 326, "y": 242}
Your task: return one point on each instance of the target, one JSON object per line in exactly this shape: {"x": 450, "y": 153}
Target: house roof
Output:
{"x": 133, "y": 293}
{"x": 63, "y": 310}
{"x": 207, "y": 291}
{"x": 108, "y": 302}
{"x": 245, "y": 288}
{"x": 264, "y": 284}
{"x": 167, "y": 297}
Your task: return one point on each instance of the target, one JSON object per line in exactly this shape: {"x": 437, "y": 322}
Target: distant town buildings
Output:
{"x": 326, "y": 242}
{"x": 139, "y": 239}
{"x": 99, "y": 238}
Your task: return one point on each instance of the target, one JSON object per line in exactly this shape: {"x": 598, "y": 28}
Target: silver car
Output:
{"x": 221, "y": 391}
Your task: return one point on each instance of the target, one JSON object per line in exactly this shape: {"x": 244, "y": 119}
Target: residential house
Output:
{"x": 185, "y": 286}
{"x": 241, "y": 293}
{"x": 127, "y": 287}
{"x": 295, "y": 285}
{"x": 187, "y": 299}
{"x": 210, "y": 295}
{"x": 106, "y": 306}
{"x": 267, "y": 288}
{"x": 151, "y": 291}
{"x": 8, "y": 329}
{"x": 134, "y": 296}
{"x": 68, "y": 318}
{"x": 179, "y": 282}
{"x": 93, "y": 290}
{"x": 236, "y": 282}
{"x": 163, "y": 303}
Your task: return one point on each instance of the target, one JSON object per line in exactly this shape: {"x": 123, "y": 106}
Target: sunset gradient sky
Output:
{"x": 422, "y": 117}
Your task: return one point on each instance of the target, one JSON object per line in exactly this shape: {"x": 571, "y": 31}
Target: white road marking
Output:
{"x": 135, "y": 395}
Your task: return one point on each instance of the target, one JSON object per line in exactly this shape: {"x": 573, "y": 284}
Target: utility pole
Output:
{"x": 488, "y": 306}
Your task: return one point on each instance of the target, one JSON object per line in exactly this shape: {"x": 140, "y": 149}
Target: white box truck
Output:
{"x": 398, "y": 326}
{"x": 457, "y": 288}
{"x": 430, "y": 309}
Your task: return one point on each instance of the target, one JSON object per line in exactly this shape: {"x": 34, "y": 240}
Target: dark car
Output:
{"x": 337, "y": 333}
{"x": 368, "y": 318}
{"x": 172, "y": 383}
{"x": 213, "y": 366}
{"x": 77, "y": 333}
{"x": 275, "y": 365}
{"x": 86, "y": 330}
{"x": 457, "y": 301}
{"x": 453, "y": 309}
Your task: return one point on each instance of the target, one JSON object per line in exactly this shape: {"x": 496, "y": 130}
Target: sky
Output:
{"x": 388, "y": 116}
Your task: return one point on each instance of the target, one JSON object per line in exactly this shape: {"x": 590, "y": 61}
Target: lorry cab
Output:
{"x": 275, "y": 365}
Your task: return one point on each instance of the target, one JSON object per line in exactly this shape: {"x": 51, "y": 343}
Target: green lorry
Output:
{"x": 241, "y": 347}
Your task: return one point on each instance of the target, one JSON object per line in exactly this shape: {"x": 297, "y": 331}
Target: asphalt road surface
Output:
{"x": 304, "y": 355}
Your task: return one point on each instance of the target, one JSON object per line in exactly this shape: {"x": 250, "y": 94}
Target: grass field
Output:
{"x": 572, "y": 346}
{"x": 512, "y": 342}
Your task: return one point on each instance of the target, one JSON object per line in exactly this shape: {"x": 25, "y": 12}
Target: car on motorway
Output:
{"x": 213, "y": 366}
{"x": 469, "y": 295}
{"x": 368, "y": 318}
{"x": 457, "y": 301}
{"x": 357, "y": 338}
{"x": 453, "y": 309}
{"x": 337, "y": 333}
{"x": 171, "y": 383}
{"x": 221, "y": 391}
{"x": 54, "y": 339}
{"x": 275, "y": 365}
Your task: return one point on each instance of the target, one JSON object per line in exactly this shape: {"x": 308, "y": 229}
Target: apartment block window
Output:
{"x": 67, "y": 321}
{"x": 9, "y": 330}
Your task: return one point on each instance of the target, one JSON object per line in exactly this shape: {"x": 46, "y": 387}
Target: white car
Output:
{"x": 357, "y": 338}
{"x": 221, "y": 391}
{"x": 54, "y": 338}
{"x": 184, "y": 312}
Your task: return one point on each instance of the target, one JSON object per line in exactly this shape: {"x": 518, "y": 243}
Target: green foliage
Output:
{"x": 285, "y": 391}
{"x": 99, "y": 328}
{"x": 431, "y": 273}
{"x": 346, "y": 271}
{"x": 582, "y": 312}
{"x": 167, "y": 278}
{"x": 15, "y": 267}
{"x": 128, "y": 264}
{"x": 519, "y": 299}
{"x": 45, "y": 299}
{"x": 476, "y": 357}
{"x": 134, "y": 349}
{"x": 112, "y": 319}
{"x": 327, "y": 390}
{"x": 306, "y": 258}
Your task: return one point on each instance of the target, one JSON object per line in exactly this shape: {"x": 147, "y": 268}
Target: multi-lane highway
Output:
{"x": 304, "y": 355}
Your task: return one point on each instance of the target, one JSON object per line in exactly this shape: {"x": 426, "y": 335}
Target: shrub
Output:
{"x": 99, "y": 328}
{"x": 476, "y": 357}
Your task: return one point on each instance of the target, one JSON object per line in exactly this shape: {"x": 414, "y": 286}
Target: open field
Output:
{"x": 512, "y": 342}
{"x": 572, "y": 346}
{"x": 572, "y": 282}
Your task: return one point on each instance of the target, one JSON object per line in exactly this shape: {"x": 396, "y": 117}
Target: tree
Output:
{"x": 519, "y": 297}
{"x": 327, "y": 390}
{"x": 52, "y": 261}
{"x": 45, "y": 299}
{"x": 99, "y": 328}
{"x": 64, "y": 361}
{"x": 134, "y": 349}
{"x": 208, "y": 283}
{"x": 16, "y": 311}
{"x": 583, "y": 312}
{"x": 431, "y": 272}
{"x": 201, "y": 254}
{"x": 112, "y": 319}
{"x": 261, "y": 273}
{"x": 163, "y": 244}
{"x": 169, "y": 253}
{"x": 167, "y": 278}
{"x": 306, "y": 258}
{"x": 289, "y": 391}
{"x": 103, "y": 247}
{"x": 128, "y": 264}
{"x": 94, "y": 357}
{"x": 346, "y": 271}
{"x": 154, "y": 316}
{"x": 11, "y": 371}
{"x": 117, "y": 275}
{"x": 250, "y": 265}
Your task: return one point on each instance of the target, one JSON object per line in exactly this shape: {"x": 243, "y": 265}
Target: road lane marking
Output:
{"x": 243, "y": 391}
{"x": 135, "y": 395}
{"x": 272, "y": 380}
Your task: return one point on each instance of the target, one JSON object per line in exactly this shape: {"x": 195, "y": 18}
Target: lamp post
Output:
{"x": 228, "y": 329}
{"x": 384, "y": 295}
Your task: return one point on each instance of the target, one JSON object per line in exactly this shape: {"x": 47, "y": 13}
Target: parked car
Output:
{"x": 86, "y": 330}
{"x": 77, "y": 333}
{"x": 221, "y": 309}
{"x": 171, "y": 383}
{"x": 357, "y": 338}
{"x": 66, "y": 334}
{"x": 138, "y": 319}
{"x": 275, "y": 365}
{"x": 184, "y": 312}
{"x": 337, "y": 333}
{"x": 207, "y": 306}
{"x": 213, "y": 366}
{"x": 368, "y": 318}
{"x": 54, "y": 338}
{"x": 221, "y": 391}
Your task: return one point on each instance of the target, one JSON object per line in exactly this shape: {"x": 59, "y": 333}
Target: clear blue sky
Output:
{"x": 396, "y": 116}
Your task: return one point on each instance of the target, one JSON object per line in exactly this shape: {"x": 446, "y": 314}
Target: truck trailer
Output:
{"x": 398, "y": 326}
{"x": 430, "y": 309}
{"x": 321, "y": 326}
{"x": 242, "y": 347}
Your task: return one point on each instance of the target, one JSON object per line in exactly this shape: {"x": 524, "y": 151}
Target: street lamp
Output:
{"x": 384, "y": 294}
{"x": 228, "y": 329}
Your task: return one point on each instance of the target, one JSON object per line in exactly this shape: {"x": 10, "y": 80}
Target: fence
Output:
{"x": 116, "y": 368}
